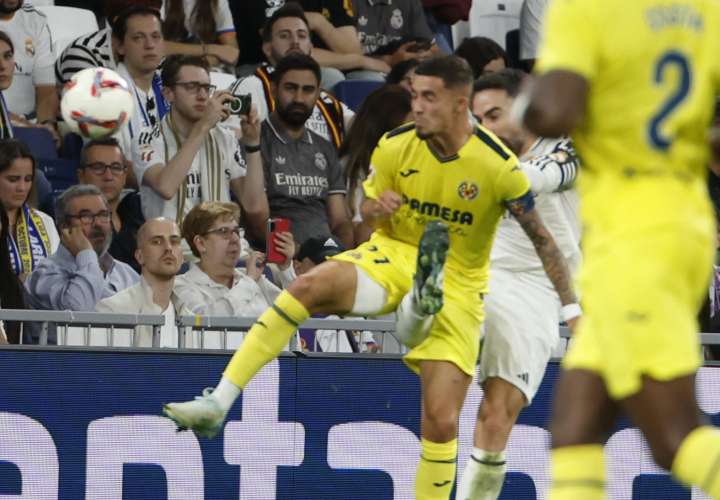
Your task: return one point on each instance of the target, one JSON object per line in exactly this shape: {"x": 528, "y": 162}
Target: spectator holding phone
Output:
{"x": 215, "y": 285}
{"x": 188, "y": 158}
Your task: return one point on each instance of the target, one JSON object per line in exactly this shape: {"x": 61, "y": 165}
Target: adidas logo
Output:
{"x": 330, "y": 243}
{"x": 525, "y": 377}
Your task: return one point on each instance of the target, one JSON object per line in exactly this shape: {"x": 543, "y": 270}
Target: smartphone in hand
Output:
{"x": 274, "y": 226}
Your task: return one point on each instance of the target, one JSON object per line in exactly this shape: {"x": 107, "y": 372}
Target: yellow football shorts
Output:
{"x": 455, "y": 332}
{"x": 645, "y": 274}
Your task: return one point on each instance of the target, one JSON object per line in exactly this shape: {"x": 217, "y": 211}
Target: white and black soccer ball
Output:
{"x": 97, "y": 102}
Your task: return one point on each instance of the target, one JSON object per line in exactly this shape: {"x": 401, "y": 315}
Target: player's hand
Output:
{"x": 388, "y": 203}
{"x": 285, "y": 244}
{"x": 250, "y": 126}
{"x": 227, "y": 54}
{"x": 216, "y": 110}
{"x": 255, "y": 265}
{"x": 572, "y": 324}
{"x": 75, "y": 240}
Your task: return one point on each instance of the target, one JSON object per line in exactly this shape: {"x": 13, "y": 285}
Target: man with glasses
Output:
{"x": 81, "y": 272}
{"x": 103, "y": 164}
{"x": 188, "y": 159}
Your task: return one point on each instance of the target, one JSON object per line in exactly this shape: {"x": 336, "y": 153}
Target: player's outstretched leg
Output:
{"x": 327, "y": 288}
{"x": 414, "y": 315}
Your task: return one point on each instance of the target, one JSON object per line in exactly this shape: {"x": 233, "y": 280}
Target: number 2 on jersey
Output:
{"x": 669, "y": 62}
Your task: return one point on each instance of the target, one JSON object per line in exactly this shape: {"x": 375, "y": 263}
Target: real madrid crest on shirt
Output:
{"x": 362, "y": 21}
{"x": 320, "y": 161}
{"x": 396, "y": 20}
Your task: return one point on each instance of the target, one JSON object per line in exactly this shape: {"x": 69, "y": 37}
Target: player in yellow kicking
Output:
{"x": 635, "y": 81}
{"x": 436, "y": 193}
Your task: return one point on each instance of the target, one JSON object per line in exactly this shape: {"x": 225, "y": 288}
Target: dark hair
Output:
{"x": 383, "y": 110}
{"x": 5, "y": 38}
{"x": 401, "y": 69}
{"x": 290, "y": 9}
{"x": 454, "y": 71}
{"x": 295, "y": 62}
{"x": 11, "y": 290}
{"x": 509, "y": 80}
{"x": 113, "y": 8}
{"x": 202, "y": 21}
{"x": 174, "y": 63}
{"x": 103, "y": 141}
{"x": 74, "y": 191}
{"x": 120, "y": 23}
{"x": 11, "y": 150}
{"x": 478, "y": 51}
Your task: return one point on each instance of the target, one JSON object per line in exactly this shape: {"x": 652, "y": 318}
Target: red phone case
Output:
{"x": 276, "y": 225}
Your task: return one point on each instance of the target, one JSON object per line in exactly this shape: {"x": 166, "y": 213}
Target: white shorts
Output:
{"x": 522, "y": 314}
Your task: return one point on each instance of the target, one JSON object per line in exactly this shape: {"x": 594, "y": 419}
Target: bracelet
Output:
{"x": 252, "y": 148}
{"x": 570, "y": 311}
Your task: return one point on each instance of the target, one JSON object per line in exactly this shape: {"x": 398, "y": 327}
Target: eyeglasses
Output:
{"x": 99, "y": 168}
{"x": 227, "y": 232}
{"x": 194, "y": 87}
{"x": 88, "y": 218}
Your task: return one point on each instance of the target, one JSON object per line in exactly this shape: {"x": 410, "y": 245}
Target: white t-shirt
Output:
{"x": 146, "y": 113}
{"x": 223, "y": 16}
{"x": 494, "y": 19}
{"x": 218, "y": 161}
{"x": 34, "y": 62}
{"x": 531, "y": 18}
{"x": 253, "y": 85}
{"x": 557, "y": 205}
{"x": 169, "y": 331}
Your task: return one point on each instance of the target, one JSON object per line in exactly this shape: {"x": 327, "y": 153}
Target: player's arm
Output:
{"x": 555, "y": 171}
{"x": 552, "y": 259}
{"x": 715, "y": 149}
{"x": 555, "y": 103}
{"x": 380, "y": 198}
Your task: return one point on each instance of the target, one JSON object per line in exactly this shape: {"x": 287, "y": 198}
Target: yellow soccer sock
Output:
{"x": 697, "y": 462}
{"x": 578, "y": 472}
{"x": 266, "y": 338}
{"x": 436, "y": 471}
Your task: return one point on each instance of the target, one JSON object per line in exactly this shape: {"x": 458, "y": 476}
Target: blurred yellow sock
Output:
{"x": 578, "y": 472}
{"x": 697, "y": 462}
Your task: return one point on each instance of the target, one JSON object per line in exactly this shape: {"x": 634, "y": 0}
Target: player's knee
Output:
{"x": 496, "y": 417}
{"x": 441, "y": 422}
{"x": 305, "y": 289}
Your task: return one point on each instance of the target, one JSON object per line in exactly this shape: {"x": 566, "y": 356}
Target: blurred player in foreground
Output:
{"x": 638, "y": 95}
{"x": 523, "y": 309}
{"x": 436, "y": 193}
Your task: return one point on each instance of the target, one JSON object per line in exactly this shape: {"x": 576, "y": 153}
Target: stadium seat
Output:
{"x": 221, "y": 80}
{"x": 353, "y": 92}
{"x": 39, "y": 140}
{"x": 60, "y": 172}
{"x": 72, "y": 146}
{"x": 67, "y": 23}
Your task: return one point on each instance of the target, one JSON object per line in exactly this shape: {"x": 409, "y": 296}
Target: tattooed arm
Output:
{"x": 553, "y": 261}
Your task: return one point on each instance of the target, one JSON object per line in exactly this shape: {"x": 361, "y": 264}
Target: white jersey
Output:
{"x": 551, "y": 165}
{"x": 29, "y": 32}
{"x": 253, "y": 85}
{"x": 218, "y": 161}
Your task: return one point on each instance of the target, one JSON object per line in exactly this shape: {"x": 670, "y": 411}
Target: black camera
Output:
{"x": 240, "y": 104}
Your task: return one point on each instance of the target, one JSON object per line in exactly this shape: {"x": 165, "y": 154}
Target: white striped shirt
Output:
{"x": 87, "y": 51}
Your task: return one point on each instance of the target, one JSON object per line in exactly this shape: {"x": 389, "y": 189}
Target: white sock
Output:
{"x": 483, "y": 477}
{"x": 226, "y": 393}
{"x": 412, "y": 325}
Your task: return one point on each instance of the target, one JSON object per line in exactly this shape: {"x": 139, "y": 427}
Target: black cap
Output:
{"x": 320, "y": 248}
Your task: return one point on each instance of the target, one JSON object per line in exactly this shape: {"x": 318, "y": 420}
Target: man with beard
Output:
{"x": 303, "y": 176}
{"x": 160, "y": 254}
{"x": 81, "y": 272}
{"x": 32, "y": 94}
{"x": 287, "y": 32}
{"x": 436, "y": 193}
{"x": 188, "y": 159}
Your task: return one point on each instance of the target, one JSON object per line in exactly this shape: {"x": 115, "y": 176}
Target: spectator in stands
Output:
{"x": 11, "y": 289}
{"x": 81, "y": 272}
{"x": 139, "y": 44}
{"x": 531, "y": 17}
{"x": 383, "y": 110}
{"x": 402, "y": 73}
{"x": 33, "y": 236}
{"x": 7, "y": 71}
{"x": 103, "y": 165}
{"x": 160, "y": 255}
{"x": 32, "y": 95}
{"x": 188, "y": 158}
{"x": 203, "y": 22}
{"x": 287, "y": 33}
{"x": 303, "y": 177}
{"x": 483, "y": 55}
{"x": 215, "y": 285}
{"x": 394, "y": 30}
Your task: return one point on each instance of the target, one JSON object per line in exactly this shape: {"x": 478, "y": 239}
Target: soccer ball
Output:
{"x": 96, "y": 102}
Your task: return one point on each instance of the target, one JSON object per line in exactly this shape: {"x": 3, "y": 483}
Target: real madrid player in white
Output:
{"x": 523, "y": 309}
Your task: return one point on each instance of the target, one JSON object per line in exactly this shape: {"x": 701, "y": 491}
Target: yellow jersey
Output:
{"x": 653, "y": 70}
{"x": 469, "y": 191}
